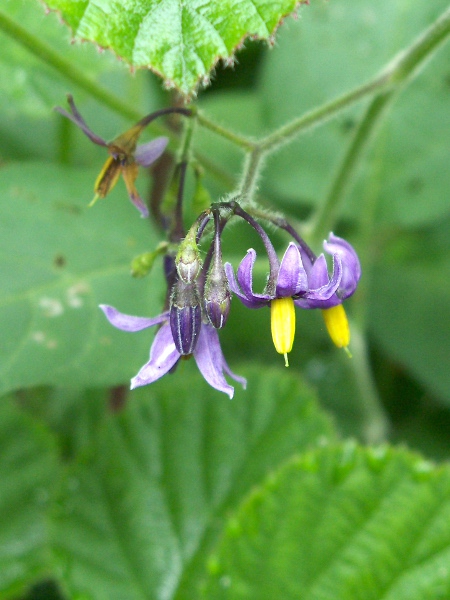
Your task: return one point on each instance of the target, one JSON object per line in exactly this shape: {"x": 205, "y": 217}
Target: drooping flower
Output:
{"x": 164, "y": 354}
{"x": 346, "y": 274}
{"x": 325, "y": 291}
{"x": 125, "y": 155}
{"x": 302, "y": 279}
{"x": 289, "y": 280}
{"x": 285, "y": 281}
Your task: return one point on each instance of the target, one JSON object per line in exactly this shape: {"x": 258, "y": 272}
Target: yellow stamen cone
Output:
{"x": 337, "y": 326}
{"x": 282, "y": 314}
{"x": 107, "y": 178}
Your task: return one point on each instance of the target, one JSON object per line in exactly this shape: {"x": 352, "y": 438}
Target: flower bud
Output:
{"x": 142, "y": 265}
{"x": 217, "y": 295}
{"x": 188, "y": 261}
{"x": 185, "y": 316}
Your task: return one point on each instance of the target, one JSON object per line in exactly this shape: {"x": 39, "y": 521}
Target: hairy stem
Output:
{"x": 251, "y": 171}
{"x": 234, "y": 138}
{"x": 402, "y": 68}
{"x": 376, "y": 422}
{"x": 325, "y": 217}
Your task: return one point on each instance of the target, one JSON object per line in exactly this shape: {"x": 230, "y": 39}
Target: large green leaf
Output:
{"x": 27, "y": 474}
{"x": 180, "y": 41}
{"x": 410, "y": 320}
{"x": 340, "y": 524}
{"x": 136, "y": 519}
{"x": 59, "y": 260}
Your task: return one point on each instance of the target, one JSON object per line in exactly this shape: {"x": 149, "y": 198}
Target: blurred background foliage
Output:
{"x": 64, "y": 366}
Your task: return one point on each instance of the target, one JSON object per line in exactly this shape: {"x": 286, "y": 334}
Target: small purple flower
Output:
{"x": 289, "y": 280}
{"x": 164, "y": 354}
{"x": 325, "y": 291}
{"x": 125, "y": 156}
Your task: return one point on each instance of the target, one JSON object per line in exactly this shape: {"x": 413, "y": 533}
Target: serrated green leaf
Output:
{"x": 136, "y": 520}
{"x": 28, "y": 469}
{"x": 59, "y": 260}
{"x": 180, "y": 41}
{"x": 340, "y": 524}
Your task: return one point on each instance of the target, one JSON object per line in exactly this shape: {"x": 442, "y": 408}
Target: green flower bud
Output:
{"x": 142, "y": 265}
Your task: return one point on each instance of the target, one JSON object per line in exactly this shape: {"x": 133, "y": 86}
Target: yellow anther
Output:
{"x": 337, "y": 325}
{"x": 282, "y": 313}
{"x": 108, "y": 177}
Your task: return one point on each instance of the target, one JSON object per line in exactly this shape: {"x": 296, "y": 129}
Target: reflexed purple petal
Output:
{"x": 237, "y": 378}
{"x": 306, "y": 261}
{"x": 245, "y": 273}
{"x": 318, "y": 275}
{"x": 325, "y": 291}
{"x": 163, "y": 356}
{"x": 351, "y": 267}
{"x": 139, "y": 203}
{"x": 234, "y": 287}
{"x": 291, "y": 276}
{"x": 232, "y": 280}
{"x": 210, "y": 360}
{"x": 130, "y": 323}
{"x": 129, "y": 173}
{"x": 80, "y": 122}
{"x": 146, "y": 154}
{"x": 324, "y": 296}
{"x": 245, "y": 279}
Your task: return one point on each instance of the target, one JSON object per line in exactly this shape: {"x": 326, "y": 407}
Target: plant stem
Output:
{"x": 236, "y": 139}
{"x": 402, "y": 68}
{"x": 376, "y": 423}
{"x": 252, "y": 167}
{"x": 397, "y": 74}
{"x": 66, "y": 68}
{"x": 325, "y": 217}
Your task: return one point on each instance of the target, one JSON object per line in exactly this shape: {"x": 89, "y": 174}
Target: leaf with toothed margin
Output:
{"x": 343, "y": 523}
{"x": 28, "y": 472}
{"x": 137, "y": 518}
{"x": 180, "y": 41}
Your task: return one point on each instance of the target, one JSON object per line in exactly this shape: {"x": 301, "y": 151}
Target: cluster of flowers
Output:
{"x": 200, "y": 292}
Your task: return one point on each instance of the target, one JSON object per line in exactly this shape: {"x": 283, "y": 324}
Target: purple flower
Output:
{"x": 125, "y": 156}
{"x": 289, "y": 280}
{"x": 164, "y": 354}
{"x": 325, "y": 291}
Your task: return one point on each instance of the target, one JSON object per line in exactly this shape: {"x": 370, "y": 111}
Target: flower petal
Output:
{"x": 245, "y": 277}
{"x": 210, "y": 360}
{"x": 292, "y": 277}
{"x": 351, "y": 267}
{"x": 323, "y": 296}
{"x": 146, "y": 154}
{"x": 130, "y": 323}
{"x": 129, "y": 173}
{"x": 163, "y": 356}
{"x": 245, "y": 273}
{"x": 229, "y": 372}
{"x": 318, "y": 276}
{"x": 80, "y": 122}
